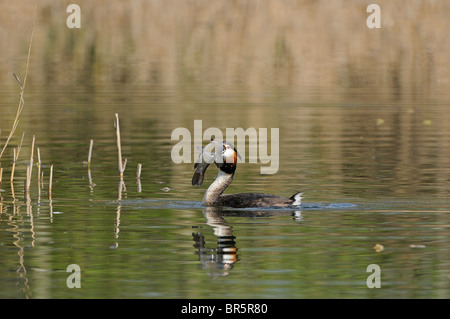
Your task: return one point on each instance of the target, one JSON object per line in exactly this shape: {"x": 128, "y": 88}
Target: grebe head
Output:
{"x": 225, "y": 156}
{"x": 228, "y": 159}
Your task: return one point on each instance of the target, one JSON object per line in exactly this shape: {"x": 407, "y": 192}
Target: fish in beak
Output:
{"x": 208, "y": 155}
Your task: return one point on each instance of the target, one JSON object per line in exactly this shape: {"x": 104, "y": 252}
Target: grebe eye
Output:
{"x": 225, "y": 148}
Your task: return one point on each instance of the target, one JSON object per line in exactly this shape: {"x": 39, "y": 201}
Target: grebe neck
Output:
{"x": 216, "y": 189}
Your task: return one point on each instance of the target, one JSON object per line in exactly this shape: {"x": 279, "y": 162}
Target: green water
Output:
{"x": 374, "y": 170}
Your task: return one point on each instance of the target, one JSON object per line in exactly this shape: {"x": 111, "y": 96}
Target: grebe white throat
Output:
{"x": 216, "y": 189}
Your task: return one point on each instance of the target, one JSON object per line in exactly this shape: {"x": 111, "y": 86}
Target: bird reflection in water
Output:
{"x": 218, "y": 260}
{"x": 221, "y": 259}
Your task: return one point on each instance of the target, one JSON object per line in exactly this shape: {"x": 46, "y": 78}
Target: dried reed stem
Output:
{"x": 30, "y": 167}
{"x": 139, "y": 169}
{"x": 26, "y": 189}
{"x": 39, "y": 164}
{"x": 39, "y": 171}
{"x": 50, "y": 182}
{"x": 91, "y": 184}
{"x": 16, "y": 157}
{"x": 22, "y": 89}
{"x": 32, "y": 150}
{"x": 122, "y": 164}
{"x": 90, "y": 153}
{"x": 138, "y": 177}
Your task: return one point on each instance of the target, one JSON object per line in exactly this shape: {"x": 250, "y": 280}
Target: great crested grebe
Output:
{"x": 225, "y": 158}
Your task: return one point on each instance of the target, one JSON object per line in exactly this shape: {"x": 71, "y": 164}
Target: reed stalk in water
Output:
{"x": 28, "y": 178}
{"x": 91, "y": 145}
{"x": 138, "y": 172}
{"x": 138, "y": 178}
{"x": 91, "y": 184}
{"x": 30, "y": 167}
{"x": 50, "y": 182}
{"x": 122, "y": 164}
{"x": 39, "y": 171}
{"x": 15, "y": 158}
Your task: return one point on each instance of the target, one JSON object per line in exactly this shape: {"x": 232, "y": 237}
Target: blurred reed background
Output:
{"x": 256, "y": 45}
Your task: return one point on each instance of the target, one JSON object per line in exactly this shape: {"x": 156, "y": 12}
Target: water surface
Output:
{"x": 371, "y": 175}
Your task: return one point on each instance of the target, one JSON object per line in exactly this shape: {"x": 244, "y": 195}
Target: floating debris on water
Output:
{"x": 417, "y": 246}
{"x": 378, "y": 248}
{"x": 166, "y": 189}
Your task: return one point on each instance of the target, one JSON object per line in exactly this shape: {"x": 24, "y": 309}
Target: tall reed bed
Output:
{"x": 251, "y": 44}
